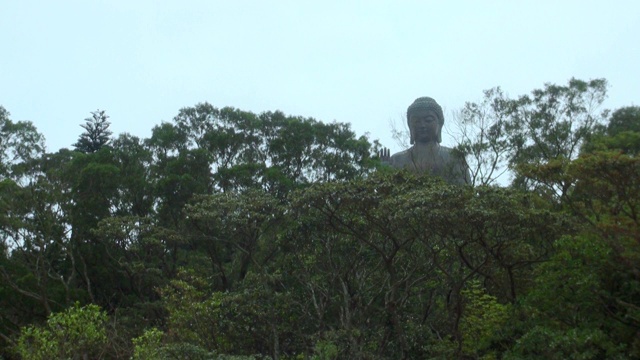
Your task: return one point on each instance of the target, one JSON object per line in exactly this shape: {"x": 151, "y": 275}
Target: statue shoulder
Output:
{"x": 449, "y": 153}
{"x": 400, "y": 159}
{"x": 401, "y": 154}
{"x": 445, "y": 150}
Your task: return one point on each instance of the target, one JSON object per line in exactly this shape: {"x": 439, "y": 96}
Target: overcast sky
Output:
{"x": 361, "y": 62}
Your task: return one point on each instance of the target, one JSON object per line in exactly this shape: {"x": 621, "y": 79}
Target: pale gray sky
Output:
{"x": 361, "y": 62}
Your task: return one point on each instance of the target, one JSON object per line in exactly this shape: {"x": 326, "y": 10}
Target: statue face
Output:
{"x": 424, "y": 126}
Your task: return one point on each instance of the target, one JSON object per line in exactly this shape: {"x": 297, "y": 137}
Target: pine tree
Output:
{"x": 96, "y": 134}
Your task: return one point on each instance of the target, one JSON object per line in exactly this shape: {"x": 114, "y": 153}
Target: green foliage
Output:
{"x": 575, "y": 343}
{"x": 551, "y": 124}
{"x": 270, "y": 151}
{"x": 622, "y": 133}
{"x": 148, "y": 346}
{"x": 408, "y": 258}
{"x": 76, "y": 333}
{"x": 37, "y": 269}
{"x": 325, "y": 350}
{"x": 566, "y": 314}
{"x": 252, "y": 320}
{"x": 235, "y": 231}
{"x": 483, "y": 319}
{"x": 483, "y": 137}
{"x": 96, "y": 134}
{"x": 20, "y": 143}
{"x": 585, "y": 303}
{"x": 233, "y": 235}
{"x": 133, "y": 161}
{"x": 625, "y": 119}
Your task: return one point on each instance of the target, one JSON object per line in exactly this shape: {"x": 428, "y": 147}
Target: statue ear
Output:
{"x": 439, "y": 134}
{"x": 412, "y": 140}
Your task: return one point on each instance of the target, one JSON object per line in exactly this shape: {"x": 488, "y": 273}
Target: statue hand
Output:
{"x": 385, "y": 155}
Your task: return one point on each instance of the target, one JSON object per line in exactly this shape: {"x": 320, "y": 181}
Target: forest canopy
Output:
{"x": 233, "y": 235}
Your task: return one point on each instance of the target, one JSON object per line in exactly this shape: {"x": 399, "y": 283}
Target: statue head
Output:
{"x": 423, "y": 109}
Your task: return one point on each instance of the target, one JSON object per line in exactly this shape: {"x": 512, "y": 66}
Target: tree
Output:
{"x": 37, "y": 272}
{"x": 585, "y": 302}
{"x": 77, "y": 333}
{"x": 235, "y": 231}
{"x": 270, "y": 150}
{"x": 96, "y": 134}
{"x": 384, "y": 260}
{"x": 268, "y": 235}
{"x": 483, "y": 139}
{"x": 20, "y": 143}
{"x": 624, "y": 119}
{"x": 622, "y": 132}
{"x": 384, "y": 266}
{"x": 135, "y": 190}
{"x": 548, "y": 126}
{"x": 258, "y": 317}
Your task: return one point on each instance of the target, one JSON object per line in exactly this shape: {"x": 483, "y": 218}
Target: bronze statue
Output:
{"x": 426, "y": 156}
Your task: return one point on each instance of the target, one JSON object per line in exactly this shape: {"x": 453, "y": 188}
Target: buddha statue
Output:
{"x": 426, "y": 155}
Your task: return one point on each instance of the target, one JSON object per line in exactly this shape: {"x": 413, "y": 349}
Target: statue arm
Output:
{"x": 467, "y": 175}
{"x": 459, "y": 170}
{"x": 463, "y": 170}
